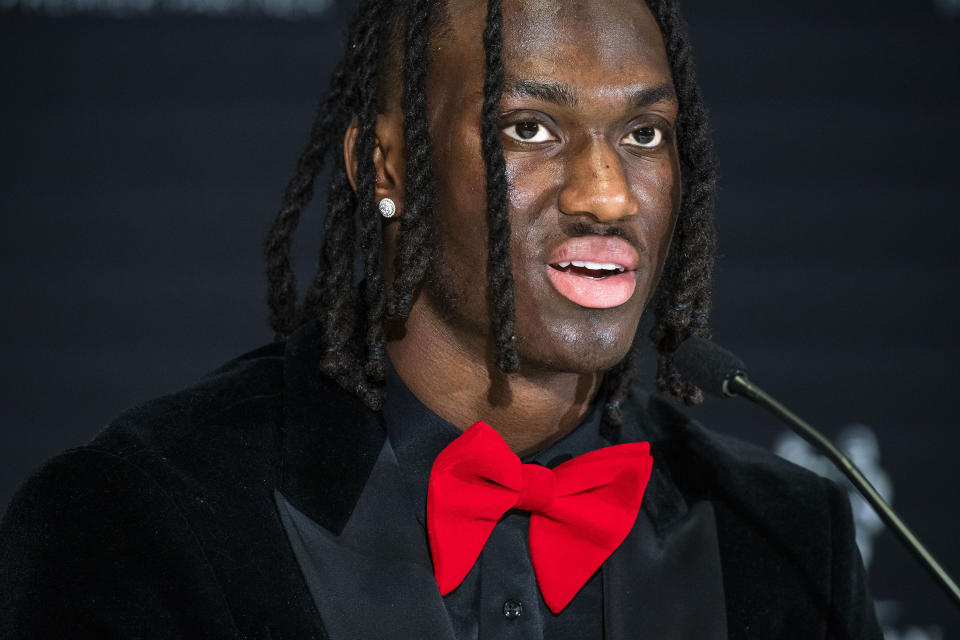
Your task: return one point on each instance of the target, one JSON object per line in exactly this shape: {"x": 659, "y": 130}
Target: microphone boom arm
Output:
{"x": 740, "y": 385}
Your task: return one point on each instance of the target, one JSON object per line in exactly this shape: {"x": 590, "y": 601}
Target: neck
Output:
{"x": 530, "y": 410}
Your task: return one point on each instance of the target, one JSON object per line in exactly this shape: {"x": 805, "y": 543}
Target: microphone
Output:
{"x": 709, "y": 366}
{"x": 718, "y": 372}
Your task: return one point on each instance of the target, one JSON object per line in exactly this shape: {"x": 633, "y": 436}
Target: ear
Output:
{"x": 389, "y": 160}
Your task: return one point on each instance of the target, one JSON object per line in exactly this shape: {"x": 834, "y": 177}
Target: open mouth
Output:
{"x": 597, "y": 272}
{"x": 594, "y": 270}
{"x": 595, "y": 285}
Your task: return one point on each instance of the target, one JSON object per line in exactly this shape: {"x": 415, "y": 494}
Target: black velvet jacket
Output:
{"x": 167, "y": 525}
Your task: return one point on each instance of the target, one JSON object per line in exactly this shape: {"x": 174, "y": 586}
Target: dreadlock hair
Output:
{"x": 352, "y": 325}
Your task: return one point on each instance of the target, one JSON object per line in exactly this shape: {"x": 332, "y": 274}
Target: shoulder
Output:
{"x": 199, "y": 436}
{"x": 786, "y": 535}
{"x": 236, "y": 397}
{"x": 756, "y": 495}
{"x": 119, "y": 528}
{"x": 196, "y": 442}
{"x": 235, "y": 407}
{"x": 722, "y": 467}
{"x": 168, "y": 448}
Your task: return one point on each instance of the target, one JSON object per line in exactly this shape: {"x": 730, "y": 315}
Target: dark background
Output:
{"x": 141, "y": 160}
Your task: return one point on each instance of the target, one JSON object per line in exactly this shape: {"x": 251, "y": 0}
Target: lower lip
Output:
{"x": 600, "y": 293}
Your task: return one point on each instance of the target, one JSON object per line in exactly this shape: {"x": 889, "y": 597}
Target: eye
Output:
{"x": 529, "y": 132}
{"x": 644, "y": 137}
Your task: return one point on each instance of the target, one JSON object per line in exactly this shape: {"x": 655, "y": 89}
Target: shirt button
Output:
{"x": 512, "y": 609}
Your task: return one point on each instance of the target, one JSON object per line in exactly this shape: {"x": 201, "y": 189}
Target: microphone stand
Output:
{"x": 740, "y": 385}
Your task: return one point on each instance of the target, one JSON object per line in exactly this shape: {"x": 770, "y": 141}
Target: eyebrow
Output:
{"x": 653, "y": 95}
{"x": 547, "y": 91}
{"x": 564, "y": 96}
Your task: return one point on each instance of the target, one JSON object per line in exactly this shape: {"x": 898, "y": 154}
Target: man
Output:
{"x": 522, "y": 183}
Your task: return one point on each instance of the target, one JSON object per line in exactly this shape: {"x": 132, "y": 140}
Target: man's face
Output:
{"x": 586, "y": 122}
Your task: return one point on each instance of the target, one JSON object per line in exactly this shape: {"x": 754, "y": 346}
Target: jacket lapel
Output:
{"x": 665, "y": 580}
{"x": 360, "y": 548}
{"x": 330, "y": 441}
{"x": 666, "y": 587}
{"x": 373, "y": 580}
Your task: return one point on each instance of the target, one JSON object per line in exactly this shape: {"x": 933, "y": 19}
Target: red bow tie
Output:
{"x": 580, "y": 511}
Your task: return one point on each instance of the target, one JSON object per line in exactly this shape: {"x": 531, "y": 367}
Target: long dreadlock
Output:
{"x": 352, "y": 326}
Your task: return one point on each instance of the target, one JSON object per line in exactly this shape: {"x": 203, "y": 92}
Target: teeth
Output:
{"x": 594, "y": 266}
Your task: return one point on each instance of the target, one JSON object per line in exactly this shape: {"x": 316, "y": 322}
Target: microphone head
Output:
{"x": 707, "y": 365}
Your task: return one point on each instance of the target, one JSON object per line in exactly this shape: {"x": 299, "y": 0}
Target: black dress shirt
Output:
{"x": 499, "y": 598}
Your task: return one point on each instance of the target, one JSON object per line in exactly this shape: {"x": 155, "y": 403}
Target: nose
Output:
{"x": 596, "y": 184}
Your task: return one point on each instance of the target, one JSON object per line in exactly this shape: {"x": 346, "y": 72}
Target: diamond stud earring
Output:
{"x": 387, "y": 208}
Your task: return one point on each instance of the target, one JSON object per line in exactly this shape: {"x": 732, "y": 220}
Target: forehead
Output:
{"x": 603, "y": 43}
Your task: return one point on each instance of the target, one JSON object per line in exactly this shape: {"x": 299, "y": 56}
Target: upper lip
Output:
{"x": 599, "y": 250}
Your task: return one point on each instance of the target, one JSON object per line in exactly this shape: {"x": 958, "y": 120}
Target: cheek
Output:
{"x": 460, "y": 197}
{"x": 532, "y": 194}
{"x": 533, "y": 182}
{"x": 657, "y": 188}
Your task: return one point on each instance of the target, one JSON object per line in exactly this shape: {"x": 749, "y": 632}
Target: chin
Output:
{"x": 576, "y": 347}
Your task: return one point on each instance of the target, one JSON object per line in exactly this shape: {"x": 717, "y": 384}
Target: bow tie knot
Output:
{"x": 580, "y": 511}
{"x": 539, "y": 488}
